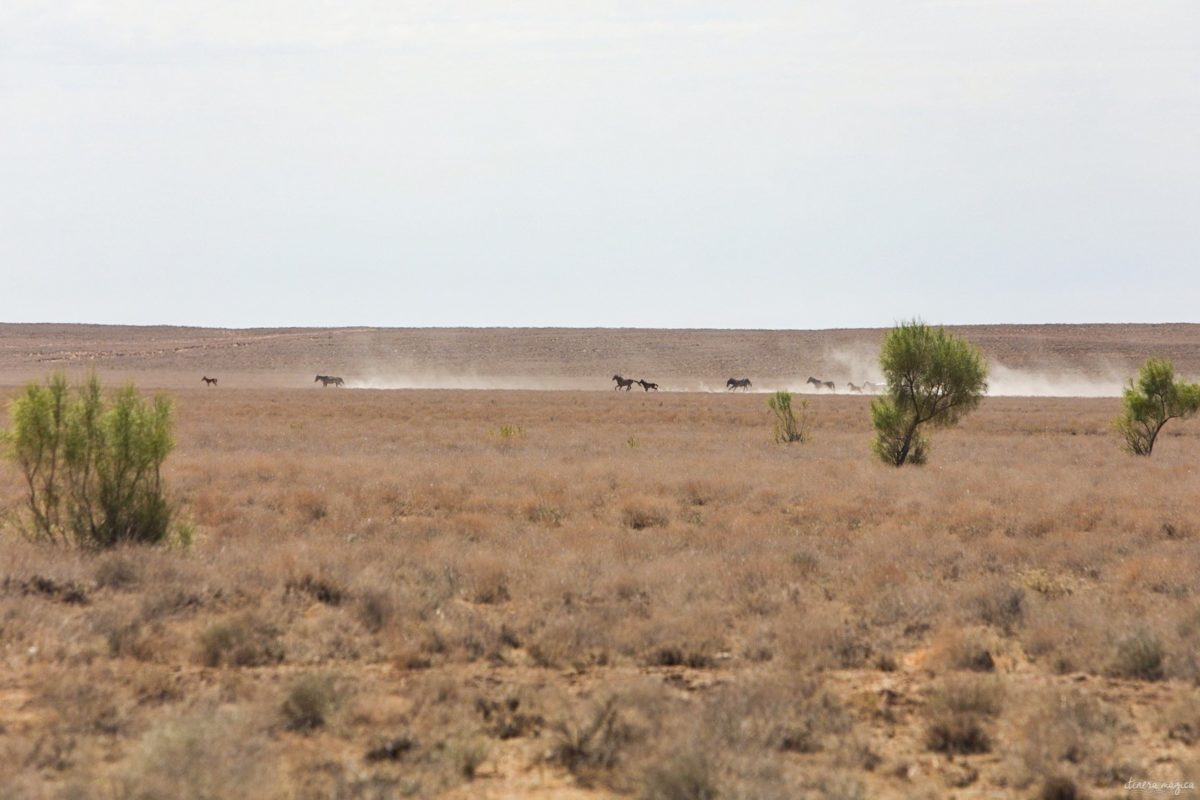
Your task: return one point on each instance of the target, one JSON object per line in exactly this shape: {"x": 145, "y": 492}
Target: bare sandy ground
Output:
{"x": 1042, "y": 360}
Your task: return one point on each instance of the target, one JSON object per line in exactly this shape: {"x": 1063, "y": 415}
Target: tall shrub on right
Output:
{"x": 1153, "y": 401}
{"x": 933, "y": 377}
{"x": 92, "y": 466}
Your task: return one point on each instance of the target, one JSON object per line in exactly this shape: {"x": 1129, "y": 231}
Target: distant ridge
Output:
{"x": 573, "y": 356}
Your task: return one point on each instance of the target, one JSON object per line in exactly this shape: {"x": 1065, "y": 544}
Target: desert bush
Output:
{"x": 1140, "y": 655}
{"x": 324, "y": 590}
{"x": 118, "y": 571}
{"x": 487, "y": 582}
{"x": 92, "y": 467}
{"x": 967, "y": 648}
{"x": 789, "y": 427}
{"x": 933, "y": 377}
{"x": 1069, "y": 727}
{"x": 956, "y": 715}
{"x": 86, "y": 703}
{"x": 1058, "y": 787}
{"x": 507, "y": 432}
{"x": 688, "y": 775}
{"x": 545, "y": 514}
{"x": 506, "y": 719}
{"x": 640, "y": 514}
{"x": 309, "y": 702}
{"x": 376, "y": 607}
{"x": 1153, "y": 401}
{"x": 1001, "y": 606}
{"x": 466, "y": 755}
{"x": 591, "y": 743}
{"x": 1182, "y": 720}
{"x": 241, "y": 641}
{"x": 826, "y": 643}
{"x": 202, "y": 756}
{"x": 786, "y": 712}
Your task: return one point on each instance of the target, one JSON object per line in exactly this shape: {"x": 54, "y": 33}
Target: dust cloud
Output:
{"x": 1006, "y": 382}
{"x": 1003, "y": 381}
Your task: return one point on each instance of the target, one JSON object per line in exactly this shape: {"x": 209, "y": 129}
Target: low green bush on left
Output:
{"x": 92, "y": 463}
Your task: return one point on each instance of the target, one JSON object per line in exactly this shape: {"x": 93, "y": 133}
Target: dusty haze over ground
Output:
{"x": 1068, "y": 360}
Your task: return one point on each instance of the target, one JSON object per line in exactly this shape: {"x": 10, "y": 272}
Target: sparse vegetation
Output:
{"x": 789, "y": 427}
{"x": 1153, "y": 401}
{"x": 471, "y": 613}
{"x": 506, "y": 432}
{"x": 933, "y": 377}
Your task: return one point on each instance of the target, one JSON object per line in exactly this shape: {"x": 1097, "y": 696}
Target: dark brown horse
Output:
{"x": 822, "y": 384}
{"x": 329, "y": 380}
{"x": 209, "y": 381}
{"x": 647, "y": 385}
{"x": 623, "y": 383}
{"x": 738, "y": 383}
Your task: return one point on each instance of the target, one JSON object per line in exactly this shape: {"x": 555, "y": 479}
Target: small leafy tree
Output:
{"x": 788, "y": 426}
{"x": 36, "y": 445}
{"x": 932, "y": 377}
{"x": 92, "y": 467}
{"x": 1155, "y": 399}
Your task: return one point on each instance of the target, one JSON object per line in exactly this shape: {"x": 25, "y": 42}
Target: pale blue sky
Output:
{"x": 692, "y": 164}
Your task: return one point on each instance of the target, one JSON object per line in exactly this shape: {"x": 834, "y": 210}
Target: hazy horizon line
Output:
{"x": 369, "y": 326}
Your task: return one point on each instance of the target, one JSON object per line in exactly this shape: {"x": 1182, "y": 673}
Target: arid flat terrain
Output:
{"x": 591, "y": 594}
{"x": 1026, "y": 359}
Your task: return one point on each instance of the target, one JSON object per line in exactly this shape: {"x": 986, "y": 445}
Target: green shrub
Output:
{"x": 510, "y": 432}
{"x": 932, "y": 377}
{"x": 788, "y": 427}
{"x": 92, "y": 466}
{"x": 1151, "y": 403}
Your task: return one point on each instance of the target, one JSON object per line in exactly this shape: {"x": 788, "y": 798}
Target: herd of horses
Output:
{"x": 744, "y": 384}
{"x": 325, "y": 380}
{"x": 627, "y": 384}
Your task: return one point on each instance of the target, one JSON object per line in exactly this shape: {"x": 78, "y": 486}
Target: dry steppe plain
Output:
{"x": 591, "y": 594}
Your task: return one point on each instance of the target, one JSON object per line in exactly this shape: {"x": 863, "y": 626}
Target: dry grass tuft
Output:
{"x": 958, "y": 713}
{"x": 240, "y": 641}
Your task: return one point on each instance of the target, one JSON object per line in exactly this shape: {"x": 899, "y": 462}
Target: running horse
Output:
{"x": 623, "y": 383}
{"x": 822, "y": 384}
{"x": 647, "y": 385}
{"x": 737, "y": 383}
{"x": 328, "y": 380}
{"x": 854, "y": 388}
{"x": 209, "y": 381}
